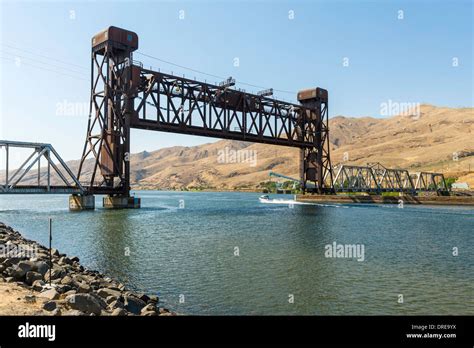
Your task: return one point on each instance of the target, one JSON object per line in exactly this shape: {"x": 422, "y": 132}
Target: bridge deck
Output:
{"x": 34, "y": 189}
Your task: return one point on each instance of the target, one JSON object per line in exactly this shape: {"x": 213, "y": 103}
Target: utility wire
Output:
{"x": 81, "y": 73}
{"x": 181, "y": 66}
{"x": 44, "y": 56}
{"x": 43, "y": 68}
{"x": 142, "y": 54}
{"x": 212, "y": 75}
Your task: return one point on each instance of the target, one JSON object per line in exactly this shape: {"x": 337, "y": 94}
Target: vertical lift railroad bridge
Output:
{"x": 125, "y": 95}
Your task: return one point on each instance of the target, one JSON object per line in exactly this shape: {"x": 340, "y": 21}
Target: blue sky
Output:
{"x": 45, "y": 56}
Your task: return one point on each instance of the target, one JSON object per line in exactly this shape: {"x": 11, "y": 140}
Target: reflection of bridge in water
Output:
{"x": 124, "y": 95}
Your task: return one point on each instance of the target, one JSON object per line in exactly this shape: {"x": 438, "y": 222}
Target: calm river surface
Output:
{"x": 190, "y": 251}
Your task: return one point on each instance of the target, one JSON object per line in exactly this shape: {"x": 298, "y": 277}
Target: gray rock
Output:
{"x": 82, "y": 278}
{"x": 114, "y": 287}
{"x": 70, "y": 292}
{"x": 164, "y": 311}
{"x": 83, "y": 288}
{"x": 41, "y": 267}
{"x": 56, "y": 312}
{"x": 30, "y": 298}
{"x": 64, "y": 288}
{"x": 49, "y": 306}
{"x": 65, "y": 261}
{"x": 118, "y": 312}
{"x": 11, "y": 261}
{"x": 85, "y": 303}
{"x": 27, "y": 265}
{"x": 19, "y": 270}
{"x": 9, "y": 279}
{"x": 43, "y": 255}
{"x": 16, "y": 272}
{"x": 38, "y": 285}
{"x": 56, "y": 273}
{"x": 106, "y": 292}
{"x": 51, "y": 294}
{"x": 149, "y": 308}
{"x": 115, "y": 304}
{"x": 101, "y": 283}
{"x": 110, "y": 299}
{"x": 3, "y": 267}
{"x": 31, "y": 277}
{"x": 67, "y": 280}
{"x": 74, "y": 312}
{"x": 149, "y": 313}
{"x": 133, "y": 304}
{"x": 154, "y": 299}
{"x": 143, "y": 297}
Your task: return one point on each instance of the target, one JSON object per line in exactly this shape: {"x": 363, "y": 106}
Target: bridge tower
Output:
{"x": 315, "y": 161}
{"x": 111, "y": 107}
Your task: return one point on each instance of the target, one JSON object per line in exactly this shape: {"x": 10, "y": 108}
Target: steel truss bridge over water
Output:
{"x": 376, "y": 178}
{"x": 126, "y": 96}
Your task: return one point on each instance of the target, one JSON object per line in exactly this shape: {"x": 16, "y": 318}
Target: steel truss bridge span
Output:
{"x": 30, "y": 168}
{"x": 124, "y": 95}
{"x": 376, "y": 178}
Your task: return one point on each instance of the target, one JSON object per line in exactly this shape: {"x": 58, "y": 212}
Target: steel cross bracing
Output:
{"x": 20, "y": 179}
{"x": 124, "y": 95}
{"x": 376, "y": 178}
{"x": 176, "y": 104}
{"x": 424, "y": 181}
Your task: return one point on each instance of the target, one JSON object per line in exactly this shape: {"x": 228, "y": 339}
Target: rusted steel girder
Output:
{"x": 125, "y": 95}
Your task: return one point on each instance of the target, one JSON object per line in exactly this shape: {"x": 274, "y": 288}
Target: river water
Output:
{"x": 227, "y": 253}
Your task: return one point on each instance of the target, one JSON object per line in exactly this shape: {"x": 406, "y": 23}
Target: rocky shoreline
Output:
{"x": 74, "y": 290}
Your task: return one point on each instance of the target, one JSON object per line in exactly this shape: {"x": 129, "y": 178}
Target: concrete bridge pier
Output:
{"x": 81, "y": 202}
{"x": 121, "y": 202}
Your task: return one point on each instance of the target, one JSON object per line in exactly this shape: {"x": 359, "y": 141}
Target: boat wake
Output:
{"x": 266, "y": 200}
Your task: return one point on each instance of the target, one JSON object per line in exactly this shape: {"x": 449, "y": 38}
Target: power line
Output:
{"x": 43, "y": 68}
{"x": 212, "y": 75}
{"x": 44, "y": 56}
{"x": 140, "y": 53}
{"x": 181, "y": 66}
{"x": 41, "y": 62}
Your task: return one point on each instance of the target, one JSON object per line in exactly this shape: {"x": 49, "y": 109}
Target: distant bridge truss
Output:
{"x": 376, "y": 178}
{"x": 20, "y": 179}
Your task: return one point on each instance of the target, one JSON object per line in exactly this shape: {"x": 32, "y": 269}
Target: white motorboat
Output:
{"x": 264, "y": 199}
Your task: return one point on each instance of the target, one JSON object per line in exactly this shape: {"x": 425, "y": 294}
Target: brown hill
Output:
{"x": 440, "y": 139}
